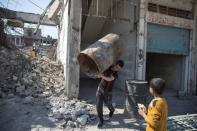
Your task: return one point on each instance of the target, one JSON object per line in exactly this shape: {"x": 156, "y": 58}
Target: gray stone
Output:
{"x": 71, "y": 124}
{"x": 83, "y": 119}
{"x": 41, "y": 96}
{"x": 48, "y": 106}
{"x": 10, "y": 96}
{"x": 59, "y": 116}
{"x": 24, "y": 81}
{"x": 77, "y": 113}
{"x": 28, "y": 100}
{"x": 62, "y": 110}
{"x": 14, "y": 78}
{"x": 20, "y": 89}
{"x": 84, "y": 112}
{"x": 67, "y": 117}
{"x": 47, "y": 94}
{"x": 74, "y": 118}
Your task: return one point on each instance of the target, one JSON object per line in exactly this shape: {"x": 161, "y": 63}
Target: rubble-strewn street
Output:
{"x": 32, "y": 98}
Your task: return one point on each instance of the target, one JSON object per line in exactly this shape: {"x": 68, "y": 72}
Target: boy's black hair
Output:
{"x": 120, "y": 63}
{"x": 158, "y": 85}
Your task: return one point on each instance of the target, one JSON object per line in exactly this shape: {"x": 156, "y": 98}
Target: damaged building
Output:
{"x": 27, "y": 37}
{"x": 160, "y": 38}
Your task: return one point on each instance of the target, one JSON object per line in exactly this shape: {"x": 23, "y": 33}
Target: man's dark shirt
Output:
{"x": 105, "y": 85}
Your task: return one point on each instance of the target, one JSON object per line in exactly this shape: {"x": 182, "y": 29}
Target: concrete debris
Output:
{"x": 39, "y": 83}
{"x": 28, "y": 100}
{"x": 83, "y": 119}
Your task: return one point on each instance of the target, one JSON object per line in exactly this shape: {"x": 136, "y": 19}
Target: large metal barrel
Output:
{"x": 101, "y": 55}
{"x": 135, "y": 92}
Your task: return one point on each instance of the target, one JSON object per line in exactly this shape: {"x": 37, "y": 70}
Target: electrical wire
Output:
{"x": 35, "y": 5}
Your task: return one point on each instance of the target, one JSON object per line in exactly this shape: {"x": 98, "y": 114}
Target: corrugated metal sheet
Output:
{"x": 168, "y": 40}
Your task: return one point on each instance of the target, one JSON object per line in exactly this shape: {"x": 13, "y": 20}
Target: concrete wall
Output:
{"x": 63, "y": 36}
{"x": 91, "y": 31}
{"x": 127, "y": 32}
{"x": 69, "y": 45}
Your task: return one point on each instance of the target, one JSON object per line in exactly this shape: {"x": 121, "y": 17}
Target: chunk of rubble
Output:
{"x": 28, "y": 100}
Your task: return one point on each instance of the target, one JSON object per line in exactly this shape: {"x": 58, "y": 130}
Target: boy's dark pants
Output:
{"x": 106, "y": 97}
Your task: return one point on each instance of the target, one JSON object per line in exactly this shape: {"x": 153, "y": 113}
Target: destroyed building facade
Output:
{"x": 160, "y": 38}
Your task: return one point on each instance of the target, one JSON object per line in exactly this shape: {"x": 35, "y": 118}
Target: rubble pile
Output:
{"x": 70, "y": 113}
{"x": 40, "y": 81}
{"x": 22, "y": 75}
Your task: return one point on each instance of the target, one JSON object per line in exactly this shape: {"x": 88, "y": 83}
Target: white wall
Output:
{"x": 63, "y": 37}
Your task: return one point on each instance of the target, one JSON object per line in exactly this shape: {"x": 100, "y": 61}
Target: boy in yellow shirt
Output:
{"x": 156, "y": 118}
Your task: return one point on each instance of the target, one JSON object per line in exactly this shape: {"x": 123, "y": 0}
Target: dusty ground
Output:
{"x": 176, "y": 106}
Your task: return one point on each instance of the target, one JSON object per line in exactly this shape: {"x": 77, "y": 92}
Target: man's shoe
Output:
{"x": 100, "y": 124}
{"x": 111, "y": 114}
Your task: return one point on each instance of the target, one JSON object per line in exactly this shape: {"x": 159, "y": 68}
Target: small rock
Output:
{"x": 74, "y": 118}
{"x": 67, "y": 117}
{"x": 59, "y": 116}
{"x": 47, "y": 94}
{"x": 24, "y": 81}
{"x": 77, "y": 113}
{"x": 62, "y": 110}
{"x": 28, "y": 100}
{"x": 84, "y": 112}
{"x": 71, "y": 124}
{"x": 14, "y": 78}
{"x": 83, "y": 119}
{"x": 41, "y": 96}
{"x": 10, "y": 96}
{"x": 48, "y": 106}
{"x": 20, "y": 90}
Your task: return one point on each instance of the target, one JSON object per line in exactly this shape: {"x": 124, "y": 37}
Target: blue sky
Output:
{"x": 27, "y": 6}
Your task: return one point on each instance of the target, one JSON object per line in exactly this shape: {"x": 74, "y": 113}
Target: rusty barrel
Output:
{"x": 101, "y": 55}
{"x": 135, "y": 92}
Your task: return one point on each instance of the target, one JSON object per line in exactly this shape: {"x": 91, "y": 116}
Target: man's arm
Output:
{"x": 106, "y": 78}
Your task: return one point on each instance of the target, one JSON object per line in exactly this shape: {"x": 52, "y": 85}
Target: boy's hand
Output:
{"x": 141, "y": 106}
{"x": 142, "y": 113}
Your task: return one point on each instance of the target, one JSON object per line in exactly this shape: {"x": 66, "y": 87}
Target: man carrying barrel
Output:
{"x": 104, "y": 91}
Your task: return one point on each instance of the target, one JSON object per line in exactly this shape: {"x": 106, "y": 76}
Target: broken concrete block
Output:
{"x": 59, "y": 116}
{"x": 83, "y": 119}
{"x": 77, "y": 113}
{"x": 28, "y": 100}
{"x": 84, "y": 112}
